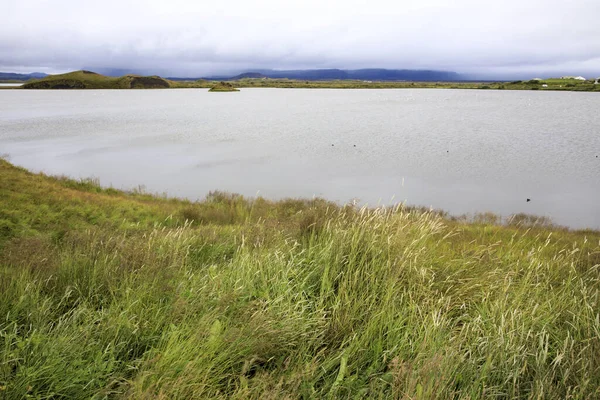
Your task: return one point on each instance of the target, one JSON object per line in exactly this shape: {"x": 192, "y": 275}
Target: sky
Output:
{"x": 478, "y": 38}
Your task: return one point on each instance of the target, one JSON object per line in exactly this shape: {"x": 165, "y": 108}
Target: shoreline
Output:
{"x": 489, "y": 218}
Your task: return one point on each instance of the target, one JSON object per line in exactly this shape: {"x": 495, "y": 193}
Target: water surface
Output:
{"x": 464, "y": 151}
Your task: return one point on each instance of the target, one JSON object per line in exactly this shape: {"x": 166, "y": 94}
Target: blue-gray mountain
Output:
{"x": 21, "y": 77}
{"x": 373, "y": 74}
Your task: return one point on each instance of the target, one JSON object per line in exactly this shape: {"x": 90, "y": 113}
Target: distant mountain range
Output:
{"x": 6, "y": 76}
{"x": 371, "y": 74}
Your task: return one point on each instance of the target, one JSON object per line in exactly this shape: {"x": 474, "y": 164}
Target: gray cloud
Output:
{"x": 191, "y": 38}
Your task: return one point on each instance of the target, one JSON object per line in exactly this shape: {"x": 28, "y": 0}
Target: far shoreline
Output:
{"x": 91, "y": 80}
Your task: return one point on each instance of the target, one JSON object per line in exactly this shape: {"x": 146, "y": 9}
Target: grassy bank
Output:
{"x": 106, "y": 294}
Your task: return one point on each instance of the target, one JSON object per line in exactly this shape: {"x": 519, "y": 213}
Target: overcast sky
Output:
{"x": 500, "y": 38}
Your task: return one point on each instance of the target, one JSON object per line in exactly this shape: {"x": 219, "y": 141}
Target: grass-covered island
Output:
{"x": 92, "y": 80}
{"x": 223, "y": 87}
{"x": 108, "y": 294}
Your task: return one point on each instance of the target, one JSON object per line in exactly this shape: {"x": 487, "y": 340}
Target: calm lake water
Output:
{"x": 459, "y": 150}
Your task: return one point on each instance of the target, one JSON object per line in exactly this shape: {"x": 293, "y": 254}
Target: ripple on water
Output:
{"x": 463, "y": 151}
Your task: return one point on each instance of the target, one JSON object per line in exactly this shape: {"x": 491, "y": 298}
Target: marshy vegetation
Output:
{"x": 108, "y": 294}
{"x": 548, "y": 84}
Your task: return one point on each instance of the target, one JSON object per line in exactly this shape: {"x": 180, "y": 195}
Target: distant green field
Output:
{"x": 550, "y": 84}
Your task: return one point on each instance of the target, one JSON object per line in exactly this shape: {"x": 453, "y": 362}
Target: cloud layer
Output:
{"x": 194, "y": 38}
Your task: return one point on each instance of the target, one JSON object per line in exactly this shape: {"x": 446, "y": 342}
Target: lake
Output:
{"x": 463, "y": 151}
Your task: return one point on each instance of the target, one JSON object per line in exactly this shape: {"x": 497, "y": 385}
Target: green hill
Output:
{"x": 108, "y": 294}
{"x": 92, "y": 80}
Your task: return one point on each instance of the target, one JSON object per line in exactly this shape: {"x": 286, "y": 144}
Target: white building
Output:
{"x": 579, "y": 78}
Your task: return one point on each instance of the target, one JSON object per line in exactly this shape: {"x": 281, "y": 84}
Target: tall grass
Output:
{"x": 238, "y": 298}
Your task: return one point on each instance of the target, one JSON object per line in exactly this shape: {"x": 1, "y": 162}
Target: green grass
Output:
{"x": 552, "y": 84}
{"x": 108, "y": 294}
{"x": 223, "y": 87}
{"x": 92, "y": 80}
